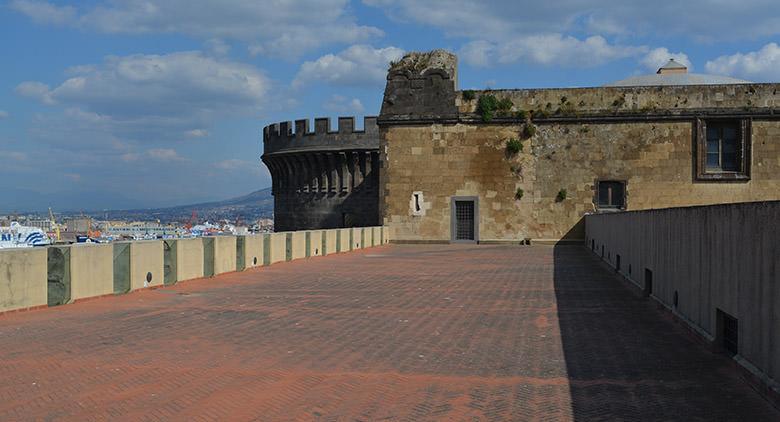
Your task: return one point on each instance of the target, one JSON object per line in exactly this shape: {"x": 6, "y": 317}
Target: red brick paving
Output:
{"x": 392, "y": 333}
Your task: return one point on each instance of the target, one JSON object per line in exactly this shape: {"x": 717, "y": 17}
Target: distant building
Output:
{"x": 140, "y": 229}
{"x": 43, "y": 224}
{"x": 79, "y": 224}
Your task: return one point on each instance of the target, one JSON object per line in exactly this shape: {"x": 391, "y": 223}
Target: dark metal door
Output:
{"x": 464, "y": 220}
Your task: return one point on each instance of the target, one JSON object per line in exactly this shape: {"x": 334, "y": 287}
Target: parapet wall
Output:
{"x": 323, "y": 178}
{"x": 33, "y": 277}
{"x": 704, "y": 262}
{"x": 644, "y": 102}
{"x": 280, "y": 137}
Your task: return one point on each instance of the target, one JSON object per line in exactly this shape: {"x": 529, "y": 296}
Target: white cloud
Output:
{"x": 547, "y": 49}
{"x": 43, "y": 12}
{"x": 357, "y": 65}
{"x": 283, "y": 28}
{"x": 660, "y": 56}
{"x": 498, "y": 19}
{"x": 73, "y": 177}
{"x": 164, "y": 154}
{"x": 762, "y": 65}
{"x": 12, "y": 155}
{"x": 217, "y": 47}
{"x": 197, "y": 133}
{"x": 341, "y": 104}
{"x": 35, "y": 90}
{"x": 156, "y": 96}
{"x": 3, "y": 114}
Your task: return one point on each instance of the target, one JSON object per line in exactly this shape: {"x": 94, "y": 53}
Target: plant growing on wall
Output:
{"x": 487, "y": 106}
{"x": 519, "y": 194}
{"x": 504, "y": 106}
{"x": 561, "y": 195}
{"x": 513, "y": 146}
{"x": 469, "y": 95}
{"x": 529, "y": 130}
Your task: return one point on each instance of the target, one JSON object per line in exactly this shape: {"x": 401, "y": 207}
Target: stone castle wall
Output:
{"x": 644, "y": 136}
{"x": 323, "y": 178}
{"x": 654, "y": 158}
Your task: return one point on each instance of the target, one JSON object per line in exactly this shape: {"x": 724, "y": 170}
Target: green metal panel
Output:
{"x": 324, "y": 247}
{"x": 58, "y": 275}
{"x": 169, "y": 262}
{"x": 208, "y": 256}
{"x": 121, "y": 267}
{"x": 351, "y": 239}
{"x": 240, "y": 253}
{"x": 288, "y": 247}
{"x": 266, "y": 249}
{"x": 308, "y": 244}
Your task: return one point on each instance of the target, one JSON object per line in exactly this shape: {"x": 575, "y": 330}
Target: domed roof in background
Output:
{"x": 674, "y": 73}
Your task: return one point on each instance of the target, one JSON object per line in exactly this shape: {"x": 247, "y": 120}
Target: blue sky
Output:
{"x": 143, "y": 103}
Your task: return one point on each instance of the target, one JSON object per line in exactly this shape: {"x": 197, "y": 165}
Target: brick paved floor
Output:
{"x": 392, "y": 333}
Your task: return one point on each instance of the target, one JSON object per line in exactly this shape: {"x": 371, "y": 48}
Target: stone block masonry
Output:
{"x": 647, "y": 140}
{"x": 325, "y": 178}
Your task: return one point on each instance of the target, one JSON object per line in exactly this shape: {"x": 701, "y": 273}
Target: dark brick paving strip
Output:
{"x": 392, "y": 333}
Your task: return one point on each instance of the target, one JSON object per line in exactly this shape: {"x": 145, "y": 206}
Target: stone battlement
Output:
{"x": 286, "y": 136}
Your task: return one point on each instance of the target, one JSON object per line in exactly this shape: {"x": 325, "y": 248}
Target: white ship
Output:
{"x": 19, "y": 236}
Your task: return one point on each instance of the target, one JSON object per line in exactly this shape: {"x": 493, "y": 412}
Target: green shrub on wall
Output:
{"x": 469, "y": 95}
{"x": 561, "y": 195}
{"x": 529, "y": 130}
{"x": 519, "y": 194}
{"x": 487, "y": 106}
{"x": 513, "y": 146}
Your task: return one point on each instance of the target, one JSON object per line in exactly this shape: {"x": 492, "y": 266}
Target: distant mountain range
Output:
{"x": 250, "y": 207}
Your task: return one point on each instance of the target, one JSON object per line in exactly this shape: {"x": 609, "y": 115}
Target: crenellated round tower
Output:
{"x": 323, "y": 178}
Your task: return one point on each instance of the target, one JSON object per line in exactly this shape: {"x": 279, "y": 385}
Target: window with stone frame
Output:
{"x": 723, "y": 149}
{"x": 611, "y": 195}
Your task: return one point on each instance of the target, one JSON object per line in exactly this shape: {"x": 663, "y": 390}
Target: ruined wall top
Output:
{"x": 421, "y": 86}
{"x": 286, "y": 137}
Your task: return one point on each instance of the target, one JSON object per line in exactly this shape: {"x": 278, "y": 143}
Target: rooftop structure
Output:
{"x": 676, "y": 74}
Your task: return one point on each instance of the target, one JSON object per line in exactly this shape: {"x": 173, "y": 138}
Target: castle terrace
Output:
{"x": 397, "y": 332}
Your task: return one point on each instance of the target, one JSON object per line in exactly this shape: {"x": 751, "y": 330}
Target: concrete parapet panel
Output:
{"x": 224, "y": 254}
{"x": 329, "y": 244}
{"x": 22, "y": 278}
{"x": 376, "y": 236}
{"x": 253, "y": 251}
{"x": 189, "y": 259}
{"x": 314, "y": 243}
{"x": 296, "y": 245}
{"x": 276, "y": 247}
{"x": 146, "y": 264}
{"x": 91, "y": 270}
{"x": 344, "y": 240}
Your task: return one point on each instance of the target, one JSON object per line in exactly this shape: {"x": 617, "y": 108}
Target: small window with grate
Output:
{"x": 723, "y": 149}
{"x": 611, "y": 195}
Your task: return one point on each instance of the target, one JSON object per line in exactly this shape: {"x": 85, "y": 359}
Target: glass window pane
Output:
{"x": 729, "y": 147}
{"x": 712, "y": 133}
{"x": 611, "y": 194}
{"x": 713, "y": 146}
{"x": 730, "y": 132}
{"x": 712, "y": 161}
{"x": 617, "y": 194}
{"x": 603, "y": 194}
{"x": 730, "y": 162}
